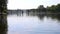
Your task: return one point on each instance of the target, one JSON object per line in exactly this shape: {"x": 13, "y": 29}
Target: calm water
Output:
{"x": 33, "y": 24}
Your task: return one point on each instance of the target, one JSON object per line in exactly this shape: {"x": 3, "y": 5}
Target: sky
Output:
{"x": 30, "y": 4}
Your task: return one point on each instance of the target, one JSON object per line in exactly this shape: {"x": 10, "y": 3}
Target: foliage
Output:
{"x": 54, "y": 8}
{"x": 3, "y": 6}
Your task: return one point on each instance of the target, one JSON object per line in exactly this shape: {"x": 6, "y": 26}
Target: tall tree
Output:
{"x": 3, "y": 16}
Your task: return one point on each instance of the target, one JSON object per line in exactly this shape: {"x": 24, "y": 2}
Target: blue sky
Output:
{"x": 29, "y": 4}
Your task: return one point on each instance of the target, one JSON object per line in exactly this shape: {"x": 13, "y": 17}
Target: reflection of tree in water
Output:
{"x": 38, "y": 15}
{"x": 3, "y": 24}
{"x": 55, "y": 16}
{"x": 3, "y": 28}
{"x": 41, "y": 16}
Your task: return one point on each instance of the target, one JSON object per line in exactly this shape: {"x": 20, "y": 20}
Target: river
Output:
{"x": 33, "y": 24}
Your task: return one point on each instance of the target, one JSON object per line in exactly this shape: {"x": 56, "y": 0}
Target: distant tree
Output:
{"x": 40, "y": 7}
{"x": 58, "y": 8}
{"x": 54, "y": 8}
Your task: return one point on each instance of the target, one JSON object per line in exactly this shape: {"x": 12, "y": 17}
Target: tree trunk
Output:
{"x": 3, "y": 16}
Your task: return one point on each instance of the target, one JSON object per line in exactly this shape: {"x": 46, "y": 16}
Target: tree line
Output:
{"x": 48, "y": 9}
{"x": 54, "y": 8}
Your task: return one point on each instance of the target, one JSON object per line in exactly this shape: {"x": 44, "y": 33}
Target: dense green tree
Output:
{"x": 58, "y": 7}
{"x": 54, "y": 8}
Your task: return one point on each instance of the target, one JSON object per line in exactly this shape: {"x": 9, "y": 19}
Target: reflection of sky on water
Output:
{"x": 32, "y": 25}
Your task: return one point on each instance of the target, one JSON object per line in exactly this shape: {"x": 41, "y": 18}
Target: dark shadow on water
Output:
{"x": 3, "y": 29}
{"x": 56, "y": 16}
{"x": 40, "y": 16}
{"x": 3, "y": 25}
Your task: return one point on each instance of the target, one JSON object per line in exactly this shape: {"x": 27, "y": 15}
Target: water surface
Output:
{"x": 32, "y": 24}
